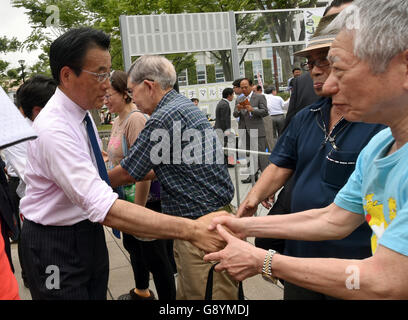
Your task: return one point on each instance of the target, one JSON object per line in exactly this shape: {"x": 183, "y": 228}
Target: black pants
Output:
{"x": 65, "y": 262}
{"x": 151, "y": 256}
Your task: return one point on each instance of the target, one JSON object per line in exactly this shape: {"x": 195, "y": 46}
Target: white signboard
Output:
{"x": 312, "y": 18}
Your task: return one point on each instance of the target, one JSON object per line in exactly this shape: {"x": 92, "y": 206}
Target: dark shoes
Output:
{"x": 134, "y": 296}
{"x": 249, "y": 180}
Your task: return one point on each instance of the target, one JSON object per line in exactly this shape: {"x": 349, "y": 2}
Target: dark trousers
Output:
{"x": 65, "y": 262}
{"x": 151, "y": 256}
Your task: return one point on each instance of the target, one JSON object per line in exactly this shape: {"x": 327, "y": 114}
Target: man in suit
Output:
{"x": 250, "y": 112}
{"x": 223, "y": 118}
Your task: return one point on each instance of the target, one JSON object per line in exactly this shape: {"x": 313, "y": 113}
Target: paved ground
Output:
{"x": 121, "y": 276}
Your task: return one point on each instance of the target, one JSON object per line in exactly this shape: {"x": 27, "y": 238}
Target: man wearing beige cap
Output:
{"x": 319, "y": 149}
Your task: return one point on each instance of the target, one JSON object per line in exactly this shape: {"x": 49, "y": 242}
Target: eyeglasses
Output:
{"x": 108, "y": 96}
{"x": 321, "y": 63}
{"x": 100, "y": 77}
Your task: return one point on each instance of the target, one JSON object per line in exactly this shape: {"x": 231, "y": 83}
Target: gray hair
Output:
{"x": 379, "y": 29}
{"x": 153, "y": 67}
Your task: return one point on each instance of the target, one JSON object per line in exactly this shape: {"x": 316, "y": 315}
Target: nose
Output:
{"x": 330, "y": 87}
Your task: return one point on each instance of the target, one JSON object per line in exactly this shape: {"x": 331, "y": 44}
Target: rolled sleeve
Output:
{"x": 73, "y": 171}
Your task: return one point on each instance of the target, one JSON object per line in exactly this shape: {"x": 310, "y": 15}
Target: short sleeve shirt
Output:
{"x": 378, "y": 188}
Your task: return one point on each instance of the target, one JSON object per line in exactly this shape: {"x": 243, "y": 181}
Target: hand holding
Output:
{"x": 205, "y": 238}
{"x": 241, "y": 259}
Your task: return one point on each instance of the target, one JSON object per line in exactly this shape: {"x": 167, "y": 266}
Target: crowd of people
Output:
{"x": 335, "y": 182}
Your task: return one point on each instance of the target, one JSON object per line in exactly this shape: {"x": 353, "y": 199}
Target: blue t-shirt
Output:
{"x": 378, "y": 188}
{"x": 320, "y": 171}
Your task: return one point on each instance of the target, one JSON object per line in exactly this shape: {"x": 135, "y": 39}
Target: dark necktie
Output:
{"x": 96, "y": 150}
{"x": 98, "y": 157}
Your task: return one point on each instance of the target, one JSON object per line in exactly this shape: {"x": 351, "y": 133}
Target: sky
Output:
{"x": 14, "y": 23}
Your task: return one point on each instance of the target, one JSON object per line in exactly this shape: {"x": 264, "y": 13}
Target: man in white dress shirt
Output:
{"x": 66, "y": 200}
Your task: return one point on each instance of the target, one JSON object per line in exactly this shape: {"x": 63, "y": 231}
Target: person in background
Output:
{"x": 195, "y": 101}
{"x": 145, "y": 256}
{"x": 31, "y": 97}
{"x": 223, "y": 120}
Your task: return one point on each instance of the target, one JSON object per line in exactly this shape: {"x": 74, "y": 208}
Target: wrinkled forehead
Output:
{"x": 342, "y": 48}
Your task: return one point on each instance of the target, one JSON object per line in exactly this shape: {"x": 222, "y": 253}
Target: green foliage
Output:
{"x": 267, "y": 70}
{"x": 249, "y": 70}
{"x": 7, "y": 45}
{"x": 192, "y": 74}
{"x": 210, "y": 70}
{"x": 284, "y": 95}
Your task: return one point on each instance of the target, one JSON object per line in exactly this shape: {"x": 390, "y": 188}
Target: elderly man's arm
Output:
{"x": 382, "y": 276}
{"x": 329, "y": 223}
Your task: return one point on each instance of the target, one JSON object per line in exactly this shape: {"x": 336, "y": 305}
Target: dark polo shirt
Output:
{"x": 322, "y": 165}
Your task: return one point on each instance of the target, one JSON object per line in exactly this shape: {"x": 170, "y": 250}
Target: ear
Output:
{"x": 35, "y": 112}
{"x": 66, "y": 75}
{"x": 405, "y": 61}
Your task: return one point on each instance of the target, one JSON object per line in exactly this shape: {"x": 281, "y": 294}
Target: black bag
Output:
{"x": 209, "y": 287}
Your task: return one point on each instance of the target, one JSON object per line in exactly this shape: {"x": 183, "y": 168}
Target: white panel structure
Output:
{"x": 173, "y": 33}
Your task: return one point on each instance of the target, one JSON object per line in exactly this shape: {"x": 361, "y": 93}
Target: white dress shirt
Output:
{"x": 63, "y": 183}
{"x": 275, "y": 104}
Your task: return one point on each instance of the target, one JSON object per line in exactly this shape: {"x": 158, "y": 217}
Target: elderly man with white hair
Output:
{"x": 368, "y": 83}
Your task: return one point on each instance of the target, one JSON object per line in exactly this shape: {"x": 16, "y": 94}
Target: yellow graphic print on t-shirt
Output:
{"x": 375, "y": 218}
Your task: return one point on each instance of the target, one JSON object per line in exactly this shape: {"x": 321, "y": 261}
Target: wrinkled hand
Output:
{"x": 206, "y": 239}
{"x": 247, "y": 209}
{"x": 241, "y": 259}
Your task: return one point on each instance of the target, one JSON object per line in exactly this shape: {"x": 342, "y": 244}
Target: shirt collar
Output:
{"x": 250, "y": 95}
{"x": 74, "y": 110}
{"x": 166, "y": 98}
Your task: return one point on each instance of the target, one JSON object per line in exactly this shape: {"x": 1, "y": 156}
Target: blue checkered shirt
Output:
{"x": 187, "y": 189}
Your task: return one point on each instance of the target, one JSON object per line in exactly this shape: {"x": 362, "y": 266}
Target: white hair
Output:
{"x": 379, "y": 29}
{"x": 153, "y": 67}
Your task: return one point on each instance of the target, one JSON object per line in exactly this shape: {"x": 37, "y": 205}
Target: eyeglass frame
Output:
{"x": 309, "y": 65}
{"x": 105, "y": 75}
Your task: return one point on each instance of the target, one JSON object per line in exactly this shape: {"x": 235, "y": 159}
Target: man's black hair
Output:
{"x": 227, "y": 92}
{"x": 71, "y": 48}
{"x": 194, "y": 99}
{"x": 336, "y": 3}
{"x": 35, "y": 92}
{"x": 296, "y": 68}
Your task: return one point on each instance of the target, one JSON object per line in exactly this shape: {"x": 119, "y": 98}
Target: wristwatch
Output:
{"x": 267, "y": 267}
